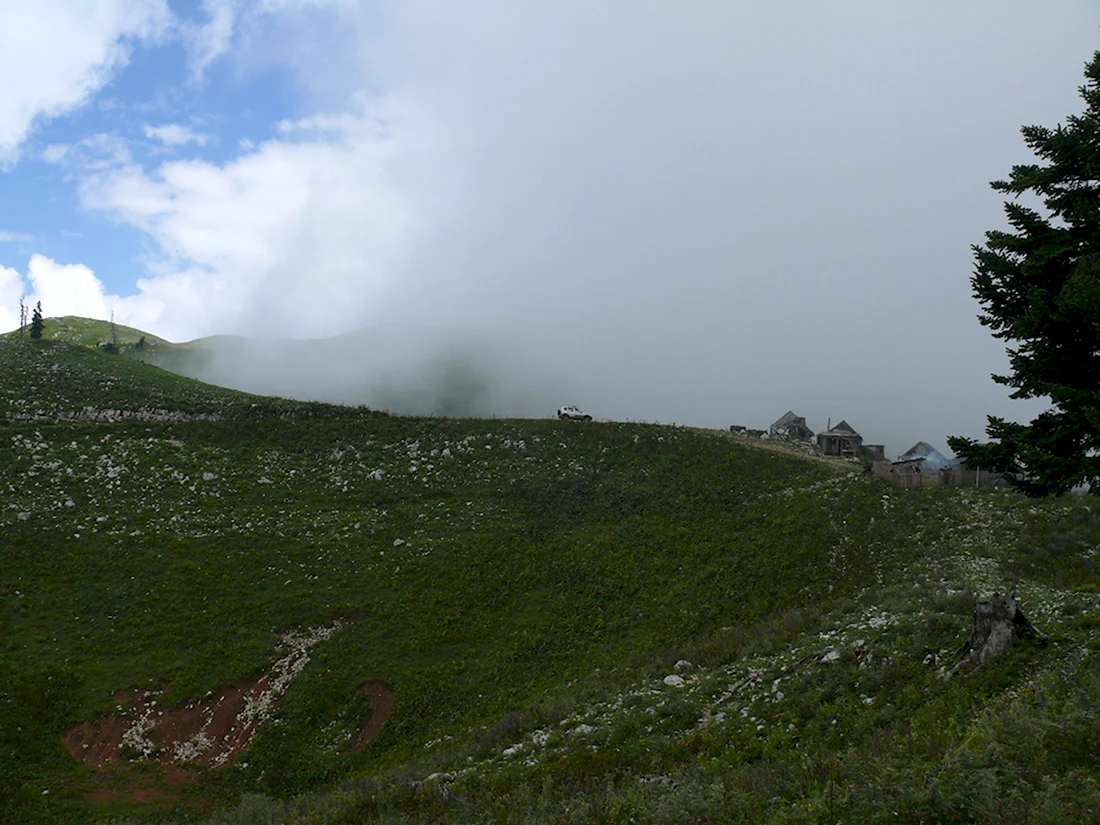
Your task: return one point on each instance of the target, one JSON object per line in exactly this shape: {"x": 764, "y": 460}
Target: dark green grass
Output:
{"x": 545, "y": 566}
{"x": 142, "y": 553}
{"x": 526, "y": 578}
{"x": 47, "y": 379}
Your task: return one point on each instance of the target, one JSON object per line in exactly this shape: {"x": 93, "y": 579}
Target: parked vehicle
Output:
{"x": 573, "y": 414}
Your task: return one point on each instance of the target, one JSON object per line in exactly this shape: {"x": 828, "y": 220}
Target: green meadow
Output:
{"x": 597, "y": 622}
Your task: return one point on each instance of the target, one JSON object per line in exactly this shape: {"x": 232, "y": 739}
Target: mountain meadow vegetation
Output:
{"x": 397, "y": 619}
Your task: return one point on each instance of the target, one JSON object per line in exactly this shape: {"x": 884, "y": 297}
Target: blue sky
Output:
{"x": 689, "y": 204}
{"x": 155, "y": 89}
{"x": 148, "y": 84}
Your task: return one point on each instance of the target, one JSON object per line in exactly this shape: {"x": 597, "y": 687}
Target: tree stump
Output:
{"x": 998, "y": 623}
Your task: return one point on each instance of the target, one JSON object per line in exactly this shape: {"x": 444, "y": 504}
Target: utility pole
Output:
{"x": 22, "y": 316}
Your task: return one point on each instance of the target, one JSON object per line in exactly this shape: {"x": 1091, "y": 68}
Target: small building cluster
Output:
{"x": 922, "y": 465}
{"x": 842, "y": 440}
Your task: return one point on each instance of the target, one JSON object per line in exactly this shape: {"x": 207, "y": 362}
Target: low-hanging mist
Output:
{"x": 411, "y": 372}
{"x": 529, "y": 374}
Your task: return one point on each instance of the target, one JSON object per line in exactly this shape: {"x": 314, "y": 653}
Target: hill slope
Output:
{"x": 90, "y": 332}
{"x": 404, "y": 369}
{"x": 53, "y": 380}
{"x": 458, "y": 619}
{"x": 409, "y": 370}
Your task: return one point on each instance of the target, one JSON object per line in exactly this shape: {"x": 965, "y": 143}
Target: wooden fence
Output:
{"x": 909, "y": 478}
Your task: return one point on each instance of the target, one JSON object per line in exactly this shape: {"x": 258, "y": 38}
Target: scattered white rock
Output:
{"x": 672, "y": 680}
{"x": 683, "y": 664}
{"x": 258, "y": 708}
{"x": 398, "y": 542}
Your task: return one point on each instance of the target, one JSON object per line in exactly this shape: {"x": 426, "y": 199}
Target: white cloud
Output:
{"x": 208, "y": 42}
{"x": 302, "y": 233}
{"x": 673, "y": 203}
{"x": 323, "y": 124}
{"x": 14, "y": 237}
{"x": 11, "y": 290}
{"x": 56, "y": 153}
{"x": 175, "y": 134}
{"x": 66, "y": 289}
{"x": 305, "y": 5}
{"x": 54, "y": 55}
{"x": 89, "y": 155}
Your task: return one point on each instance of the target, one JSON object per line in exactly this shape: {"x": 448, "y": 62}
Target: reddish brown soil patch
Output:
{"x": 381, "y": 706}
{"x": 209, "y": 733}
{"x": 184, "y": 741}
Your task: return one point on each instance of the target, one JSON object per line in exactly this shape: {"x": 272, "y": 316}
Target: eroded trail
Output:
{"x": 205, "y": 734}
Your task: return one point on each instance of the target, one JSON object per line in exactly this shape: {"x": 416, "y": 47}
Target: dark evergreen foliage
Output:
{"x": 37, "y": 324}
{"x": 1039, "y": 288}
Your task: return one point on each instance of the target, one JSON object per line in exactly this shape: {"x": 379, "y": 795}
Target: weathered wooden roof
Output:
{"x": 843, "y": 429}
{"x": 787, "y": 419}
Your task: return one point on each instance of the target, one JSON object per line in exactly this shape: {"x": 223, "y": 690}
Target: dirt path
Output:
{"x": 202, "y": 735}
{"x": 381, "y": 706}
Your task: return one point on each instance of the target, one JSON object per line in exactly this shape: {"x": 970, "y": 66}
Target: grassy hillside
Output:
{"x": 406, "y": 369}
{"x": 49, "y": 381}
{"x": 89, "y": 332}
{"x": 573, "y": 623}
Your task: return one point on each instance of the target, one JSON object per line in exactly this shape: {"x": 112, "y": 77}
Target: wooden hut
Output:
{"x": 841, "y": 440}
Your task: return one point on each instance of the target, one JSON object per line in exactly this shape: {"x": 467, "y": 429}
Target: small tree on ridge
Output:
{"x": 37, "y": 323}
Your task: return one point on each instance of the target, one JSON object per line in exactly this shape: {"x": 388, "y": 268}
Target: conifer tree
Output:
{"x": 1039, "y": 289}
{"x": 37, "y": 323}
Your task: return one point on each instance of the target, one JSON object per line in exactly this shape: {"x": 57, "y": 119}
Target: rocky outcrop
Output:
{"x": 97, "y": 415}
